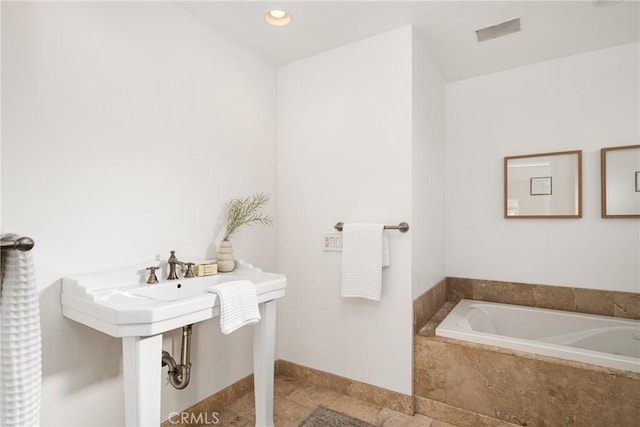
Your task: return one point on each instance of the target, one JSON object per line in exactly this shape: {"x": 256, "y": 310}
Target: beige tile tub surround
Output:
{"x": 428, "y": 304}
{"x": 476, "y": 385}
{"x": 520, "y": 388}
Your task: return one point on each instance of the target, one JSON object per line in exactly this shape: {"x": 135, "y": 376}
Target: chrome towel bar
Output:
{"x": 403, "y": 227}
{"x": 16, "y": 243}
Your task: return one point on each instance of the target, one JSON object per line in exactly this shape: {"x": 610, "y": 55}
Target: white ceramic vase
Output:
{"x": 225, "y": 257}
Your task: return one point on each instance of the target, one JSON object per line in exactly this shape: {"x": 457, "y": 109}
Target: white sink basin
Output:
{"x": 175, "y": 289}
{"x": 120, "y": 304}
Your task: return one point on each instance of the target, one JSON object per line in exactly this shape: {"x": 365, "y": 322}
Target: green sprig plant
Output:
{"x": 245, "y": 210}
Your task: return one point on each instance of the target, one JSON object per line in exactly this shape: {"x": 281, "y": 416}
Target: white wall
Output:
{"x": 586, "y": 102}
{"x": 344, "y": 154}
{"x": 427, "y": 182}
{"x": 126, "y": 126}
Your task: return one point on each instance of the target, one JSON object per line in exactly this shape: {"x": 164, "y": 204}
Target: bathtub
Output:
{"x": 606, "y": 341}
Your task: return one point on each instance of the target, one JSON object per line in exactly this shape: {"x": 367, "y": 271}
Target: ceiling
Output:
{"x": 550, "y": 29}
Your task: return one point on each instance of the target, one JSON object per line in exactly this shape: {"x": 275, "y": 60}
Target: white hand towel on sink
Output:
{"x": 363, "y": 256}
{"x": 238, "y": 304}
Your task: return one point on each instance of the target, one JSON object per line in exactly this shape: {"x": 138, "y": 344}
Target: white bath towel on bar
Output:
{"x": 21, "y": 343}
{"x": 363, "y": 256}
{"x": 238, "y": 304}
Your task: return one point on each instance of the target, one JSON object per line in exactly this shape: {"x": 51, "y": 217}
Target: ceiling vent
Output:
{"x": 605, "y": 3}
{"x": 498, "y": 30}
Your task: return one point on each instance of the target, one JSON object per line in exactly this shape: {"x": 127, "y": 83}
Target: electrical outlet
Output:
{"x": 332, "y": 242}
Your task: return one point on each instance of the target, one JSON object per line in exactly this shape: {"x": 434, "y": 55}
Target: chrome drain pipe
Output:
{"x": 179, "y": 375}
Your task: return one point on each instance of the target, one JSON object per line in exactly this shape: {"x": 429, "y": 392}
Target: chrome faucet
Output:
{"x": 173, "y": 261}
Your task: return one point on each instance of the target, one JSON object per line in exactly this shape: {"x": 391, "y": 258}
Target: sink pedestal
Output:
{"x": 142, "y": 365}
{"x": 264, "y": 353}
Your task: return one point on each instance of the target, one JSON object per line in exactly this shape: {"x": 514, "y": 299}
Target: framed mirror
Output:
{"x": 620, "y": 168}
{"x": 547, "y": 185}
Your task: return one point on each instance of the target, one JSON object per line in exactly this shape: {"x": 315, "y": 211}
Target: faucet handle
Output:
{"x": 152, "y": 275}
{"x": 189, "y": 272}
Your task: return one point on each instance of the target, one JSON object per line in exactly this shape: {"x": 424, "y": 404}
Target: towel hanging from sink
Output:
{"x": 20, "y": 388}
{"x": 365, "y": 250}
{"x": 238, "y": 304}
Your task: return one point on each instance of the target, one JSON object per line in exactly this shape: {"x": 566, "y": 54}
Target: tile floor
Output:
{"x": 295, "y": 400}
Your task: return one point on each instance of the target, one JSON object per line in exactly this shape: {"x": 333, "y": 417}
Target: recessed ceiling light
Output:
{"x": 279, "y": 18}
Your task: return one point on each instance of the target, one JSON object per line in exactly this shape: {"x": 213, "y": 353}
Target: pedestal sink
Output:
{"x": 120, "y": 304}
